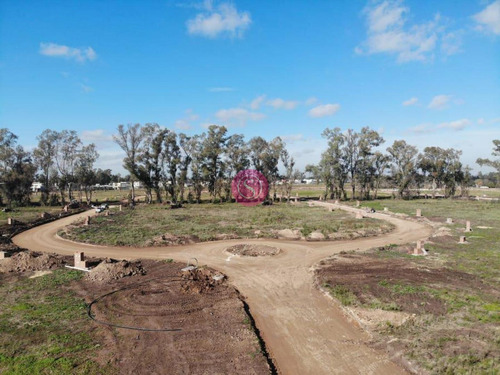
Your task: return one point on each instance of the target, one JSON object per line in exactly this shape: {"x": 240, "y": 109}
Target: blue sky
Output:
{"x": 424, "y": 71}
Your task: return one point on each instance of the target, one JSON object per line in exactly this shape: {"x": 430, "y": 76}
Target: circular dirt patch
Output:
{"x": 253, "y": 250}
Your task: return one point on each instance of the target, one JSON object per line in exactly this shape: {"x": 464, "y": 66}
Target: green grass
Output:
{"x": 207, "y": 221}
{"x": 45, "y": 329}
{"x": 342, "y": 293}
{"x": 27, "y": 214}
{"x": 474, "y": 309}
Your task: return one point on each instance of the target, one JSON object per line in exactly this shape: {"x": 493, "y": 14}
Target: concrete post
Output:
{"x": 386, "y": 209}
{"x": 330, "y": 209}
{"x": 2, "y": 254}
{"x": 80, "y": 261}
{"x": 449, "y": 220}
{"x": 467, "y": 226}
{"x": 87, "y": 220}
{"x": 419, "y": 212}
{"x": 10, "y": 221}
{"x": 358, "y": 203}
{"x": 463, "y": 239}
{"x": 121, "y": 207}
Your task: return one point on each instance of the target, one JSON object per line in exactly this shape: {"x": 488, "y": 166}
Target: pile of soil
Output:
{"x": 113, "y": 270}
{"x": 393, "y": 281}
{"x": 169, "y": 239}
{"x": 201, "y": 280}
{"x": 30, "y": 261}
{"x": 252, "y": 250}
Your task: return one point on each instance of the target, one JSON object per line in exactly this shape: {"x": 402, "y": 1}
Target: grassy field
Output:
{"x": 27, "y": 214}
{"x": 464, "y": 339}
{"x": 45, "y": 329}
{"x": 208, "y": 221}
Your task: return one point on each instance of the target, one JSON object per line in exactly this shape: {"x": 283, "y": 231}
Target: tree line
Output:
{"x": 354, "y": 157}
{"x": 176, "y": 167}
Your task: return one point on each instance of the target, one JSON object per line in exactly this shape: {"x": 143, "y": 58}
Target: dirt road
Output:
{"x": 304, "y": 331}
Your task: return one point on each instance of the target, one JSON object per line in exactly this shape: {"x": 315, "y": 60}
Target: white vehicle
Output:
{"x": 99, "y": 210}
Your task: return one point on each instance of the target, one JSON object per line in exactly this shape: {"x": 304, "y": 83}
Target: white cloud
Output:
{"x": 98, "y": 135}
{"x": 451, "y": 43}
{"x": 224, "y": 20}
{"x": 324, "y": 110}
{"x": 238, "y": 116}
{"x": 220, "y": 89}
{"x": 185, "y": 122}
{"x": 411, "y": 101}
{"x": 279, "y": 103}
{"x": 439, "y": 102}
{"x": 422, "y": 128}
{"x": 489, "y": 18}
{"x": 85, "y": 88}
{"x": 455, "y": 125}
{"x": 292, "y": 138}
{"x": 312, "y": 100}
{"x": 480, "y": 121}
{"x": 57, "y": 50}
{"x": 255, "y": 104}
{"x": 389, "y": 32}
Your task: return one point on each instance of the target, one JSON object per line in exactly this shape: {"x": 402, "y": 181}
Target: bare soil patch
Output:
{"x": 394, "y": 284}
{"x": 253, "y": 250}
{"x": 214, "y": 334}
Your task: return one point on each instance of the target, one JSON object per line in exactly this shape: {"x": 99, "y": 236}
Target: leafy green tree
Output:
{"x": 130, "y": 140}
{"x": 17, "y": 171}
{"x": 403, "y": 159}
{"x": 492, "y": 163}
{"x": 213, "y": 148}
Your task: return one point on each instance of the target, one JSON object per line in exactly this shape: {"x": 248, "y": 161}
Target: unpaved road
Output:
{"x": 304, "y": 331}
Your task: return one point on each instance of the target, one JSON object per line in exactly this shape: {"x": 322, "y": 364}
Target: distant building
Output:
{"x": 121, "y": 185}
{"x": 36, "y": 187}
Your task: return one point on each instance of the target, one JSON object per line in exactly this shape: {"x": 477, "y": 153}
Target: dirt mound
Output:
{"x": 113, "y": 270}
{"x": 169, "y": 239}
{"x": 201, "y": 280}
{"x": 30, "y": 261}
{"x": 253, "y": 250}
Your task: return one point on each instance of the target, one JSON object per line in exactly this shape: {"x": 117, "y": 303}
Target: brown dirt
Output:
{"x": 214, "y": 337}
{"x": 253, "y": 250}
{"x": 111, "y": 269}
{"x": 169, "y": 239}
{"x": 31, "y": 261}
{"x": 372, "y": 279}
{"x": 304, "y": 332}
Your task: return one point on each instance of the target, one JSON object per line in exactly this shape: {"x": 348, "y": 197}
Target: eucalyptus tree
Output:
{"x": 44, "y": 158}
{"x": 213, "y": 148}
{"x": 493, "y": 163}
{"x": 236, "y": 159}
{"x": 67, "y": 146}
{"x": 185, "y": 162}
{"x": 443, "y": 168}
{"x": 17, "y": 170}
{"x": 130, "y": 140}
{"x": 335, "y": 163}
{"x": 289, "y": 164}
{"x": 404, "y": 161}
{"x": 85, "y": 173}
{"x": 171, "y": 161}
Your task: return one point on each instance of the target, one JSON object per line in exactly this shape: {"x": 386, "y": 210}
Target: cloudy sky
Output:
{"x": 424, "y": 71}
